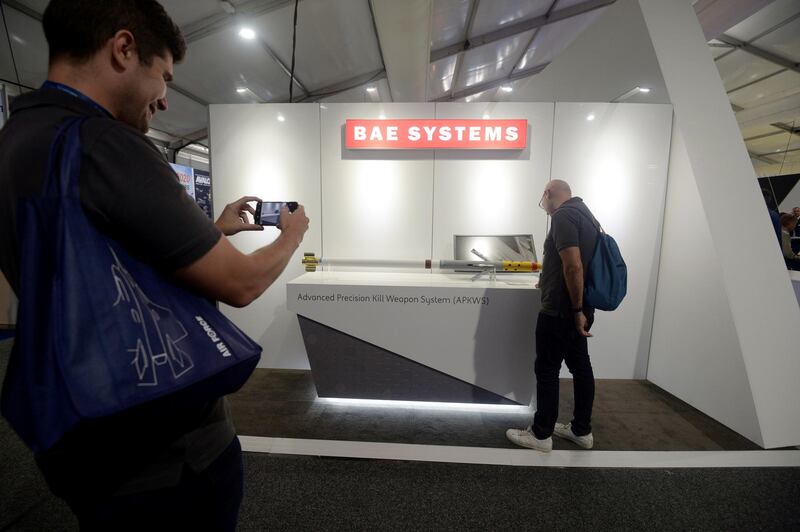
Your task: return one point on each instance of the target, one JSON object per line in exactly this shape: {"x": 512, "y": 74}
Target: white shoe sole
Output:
{"x": 568, "y": 435}
{"x": 527, "y": 442}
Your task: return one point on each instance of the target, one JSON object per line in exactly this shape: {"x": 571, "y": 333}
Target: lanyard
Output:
{"x": 77, "y": 94}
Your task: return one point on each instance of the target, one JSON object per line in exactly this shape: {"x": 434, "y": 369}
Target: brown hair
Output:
{"x": 77, "y": 29}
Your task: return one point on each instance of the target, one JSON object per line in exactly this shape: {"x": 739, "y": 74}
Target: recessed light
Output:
{"x": 590, "y": 117}
{"x": 372, "y": 89}
{"x": 506, "y": 88}
{"x": 486, "y": 116}
{"x": 247, "y": 33}
{"x": 241, "y": 90}
{"x": 382, "y": 116}
{"x": 625, "y": 95}
{"x": 281, "y": 118}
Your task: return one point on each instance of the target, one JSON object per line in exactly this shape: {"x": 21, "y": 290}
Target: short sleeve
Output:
{"x": 132, "y": 194}
{"x": 565, "y": 229}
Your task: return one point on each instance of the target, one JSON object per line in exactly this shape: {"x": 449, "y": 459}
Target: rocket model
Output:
{"x": 312, "y": 262}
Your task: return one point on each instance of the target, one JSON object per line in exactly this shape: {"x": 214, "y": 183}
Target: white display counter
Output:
{"x": 419, "y": 336}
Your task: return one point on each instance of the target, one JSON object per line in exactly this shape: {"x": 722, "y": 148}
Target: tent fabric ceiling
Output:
{"x": 763, "y": 88}
{"x": 476, "y": 47}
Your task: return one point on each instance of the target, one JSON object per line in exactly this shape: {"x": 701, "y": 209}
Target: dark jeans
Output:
{"x": 557, "y": 340}
{"x": 208, "y": 500}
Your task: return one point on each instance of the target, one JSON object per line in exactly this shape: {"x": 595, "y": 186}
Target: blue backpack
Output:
{"x": 606, "y": 280}
{"x": 99, "y": 332}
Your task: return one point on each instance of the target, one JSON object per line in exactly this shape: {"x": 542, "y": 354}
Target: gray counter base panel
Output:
{"x": 347, "y": 367}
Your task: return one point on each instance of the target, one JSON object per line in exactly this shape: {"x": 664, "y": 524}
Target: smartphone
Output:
{"x": 269, "y": 212}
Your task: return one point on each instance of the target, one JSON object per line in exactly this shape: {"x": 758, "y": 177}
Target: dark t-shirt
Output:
{"x": 568, "y": 228}
{"x": 129, "y": 192}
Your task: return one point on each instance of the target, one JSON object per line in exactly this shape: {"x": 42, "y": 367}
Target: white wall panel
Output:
{"x": 617, "y": 162}
{"x": 408, "y": 205}
{"x": 484, "y": 192}
{"x": 376, "y": 203}
{"x": 254, "y": 153}
{"x": 695, "y": 353}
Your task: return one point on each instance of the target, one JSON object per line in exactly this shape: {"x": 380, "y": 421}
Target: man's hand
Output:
{"x": 294, "y": 224}
{"x": 234, "y": 217}
{"x": 582, "y": 324}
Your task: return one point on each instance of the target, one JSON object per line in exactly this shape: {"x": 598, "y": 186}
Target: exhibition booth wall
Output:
{"x": 408, "y": 204}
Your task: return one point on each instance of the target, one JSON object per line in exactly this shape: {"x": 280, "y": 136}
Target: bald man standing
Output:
{"x": 563, "y": 325}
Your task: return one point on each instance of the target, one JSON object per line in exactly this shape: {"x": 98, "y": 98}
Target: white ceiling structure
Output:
{"x": 429, "y": 50}
{"x": 759, "y": 62}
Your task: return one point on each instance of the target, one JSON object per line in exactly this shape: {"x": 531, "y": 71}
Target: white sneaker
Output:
{"x": 525, "y": 438}
{"x": 565, "y": 431}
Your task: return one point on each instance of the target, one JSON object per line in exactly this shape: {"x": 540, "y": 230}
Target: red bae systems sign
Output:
{"x": 425, "y": 134}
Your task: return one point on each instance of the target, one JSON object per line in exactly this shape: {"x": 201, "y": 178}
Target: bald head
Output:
{"x": 557, "y": 186}
{"x": 556, "y": 192}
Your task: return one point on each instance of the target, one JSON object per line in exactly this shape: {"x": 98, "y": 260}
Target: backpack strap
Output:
{"x": 592, "y": 219}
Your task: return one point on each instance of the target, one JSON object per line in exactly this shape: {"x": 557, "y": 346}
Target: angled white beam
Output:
{"x": 520, "y": 27}
{"x": 763, "y": 314}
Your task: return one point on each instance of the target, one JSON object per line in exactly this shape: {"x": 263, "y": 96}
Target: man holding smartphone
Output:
{"x": 110, "y": 62}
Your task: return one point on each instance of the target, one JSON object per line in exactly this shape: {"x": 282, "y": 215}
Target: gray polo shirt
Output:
{"x": 568, "y": 228}
{"x": 129, "y": 191}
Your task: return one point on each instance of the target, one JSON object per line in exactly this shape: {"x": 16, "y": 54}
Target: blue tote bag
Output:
{"x": 98, "y": 331}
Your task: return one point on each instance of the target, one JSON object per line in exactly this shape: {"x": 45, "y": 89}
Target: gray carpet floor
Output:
{"x": 305, "y": 493}
{"x": 628, "y": 416}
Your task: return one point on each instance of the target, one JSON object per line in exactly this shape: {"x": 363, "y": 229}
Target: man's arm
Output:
{"x": 573, "y": 276}
{"x": 227, "y": 275}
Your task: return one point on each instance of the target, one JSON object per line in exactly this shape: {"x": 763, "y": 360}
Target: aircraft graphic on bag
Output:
{"x": 161, "y": 331}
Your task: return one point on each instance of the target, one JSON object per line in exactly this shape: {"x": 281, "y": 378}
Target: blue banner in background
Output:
{"x": 185, "y": 176}
{"x": 202, "y": 192}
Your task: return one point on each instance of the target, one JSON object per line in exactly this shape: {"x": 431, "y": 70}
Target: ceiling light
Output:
{"x": 382, "y": 116}
{"x": 241, "y": 90}
{"x": 506, "y": 88}
{"x": 372, "y": 89}
{"x": 247, "y": 33}
{"x": 486, "y": 116}
{"x": 625, "y": 95}
{"x": 590, "y": 117}
{"x": 281, "y": 118}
